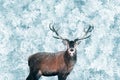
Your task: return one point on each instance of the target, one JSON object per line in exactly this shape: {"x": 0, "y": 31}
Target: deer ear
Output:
{"x": 65, "y": 42}
{"x": 77, "y": 42}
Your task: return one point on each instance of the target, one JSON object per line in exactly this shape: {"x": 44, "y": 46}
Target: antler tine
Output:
{"x": 89, "y": 29}
{"x": 86, "y": 32}
{"x": 55, "y": 31}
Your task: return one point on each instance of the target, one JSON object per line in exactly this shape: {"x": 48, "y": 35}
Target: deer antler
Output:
{"x": 86, "y": 33}
{"x": 52, "y": 28}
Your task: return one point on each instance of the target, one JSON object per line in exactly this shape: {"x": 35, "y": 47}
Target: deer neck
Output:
{"x": 70, "y": 59}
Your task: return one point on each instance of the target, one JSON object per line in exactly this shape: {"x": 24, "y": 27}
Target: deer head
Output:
{"x": 71, "y": 45}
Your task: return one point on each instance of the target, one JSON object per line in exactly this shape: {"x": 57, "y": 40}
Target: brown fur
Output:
{"x": 51, "y": 64}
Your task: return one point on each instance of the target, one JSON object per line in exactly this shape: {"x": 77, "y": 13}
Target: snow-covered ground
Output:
{"x": 24, "y": 30}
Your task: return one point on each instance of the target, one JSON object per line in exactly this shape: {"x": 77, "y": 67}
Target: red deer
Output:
{"x": 59, "y": 63}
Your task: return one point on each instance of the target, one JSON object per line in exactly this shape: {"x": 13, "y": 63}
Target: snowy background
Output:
{"x": 24, "y": 30}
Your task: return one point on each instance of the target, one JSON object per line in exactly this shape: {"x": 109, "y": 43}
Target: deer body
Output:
{"x": 51, "y": 64}
{"x": 60, "y": 63}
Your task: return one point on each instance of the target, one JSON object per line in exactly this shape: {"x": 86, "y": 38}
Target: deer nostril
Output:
{"x": 71, "y": 50}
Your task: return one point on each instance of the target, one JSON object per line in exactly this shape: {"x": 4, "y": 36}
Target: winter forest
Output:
{"x": 24, "y": 30}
